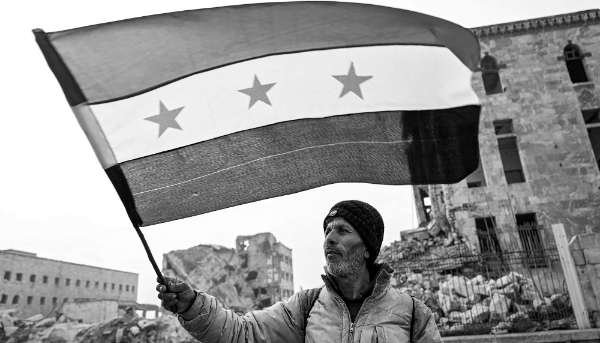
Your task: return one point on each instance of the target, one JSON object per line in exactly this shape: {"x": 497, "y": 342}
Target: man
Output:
{"x": 356, "y": 304}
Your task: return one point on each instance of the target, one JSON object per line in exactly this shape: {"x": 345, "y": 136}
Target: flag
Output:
{"x": 196, "y": 111}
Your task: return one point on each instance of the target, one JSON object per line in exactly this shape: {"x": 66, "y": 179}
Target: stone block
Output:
{"x": 592, "y": 256}
{"x": 590, "y": 240}
{"x": 578, "y": 257}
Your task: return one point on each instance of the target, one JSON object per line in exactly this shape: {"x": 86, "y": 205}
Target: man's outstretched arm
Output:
{"x": 206, "y": 319}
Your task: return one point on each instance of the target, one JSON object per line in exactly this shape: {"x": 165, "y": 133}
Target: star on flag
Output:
{"x": 165, "y": 119}
{"x": 351, "y": 82}
{"x": 258, "y": 92}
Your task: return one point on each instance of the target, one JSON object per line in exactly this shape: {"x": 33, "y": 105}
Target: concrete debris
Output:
{"x": 119, "y": 335}
{"x": 126, "y": 329}
{"x": 45, "y": 322}
{"x": 35, "y": 318}
{"x": 504, "y": 305}
{"x": 134, "y": 330}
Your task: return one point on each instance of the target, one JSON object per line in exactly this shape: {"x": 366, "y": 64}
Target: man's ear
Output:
{"x": 367, "y": 255}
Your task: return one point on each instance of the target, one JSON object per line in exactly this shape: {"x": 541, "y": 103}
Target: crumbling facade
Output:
{"x": 256, "y": 274}
{"x": 539, "y": 85}
{"x": 35, "y": 285}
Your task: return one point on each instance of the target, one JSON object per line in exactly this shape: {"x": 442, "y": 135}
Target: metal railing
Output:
{"x": 515, "y": 285}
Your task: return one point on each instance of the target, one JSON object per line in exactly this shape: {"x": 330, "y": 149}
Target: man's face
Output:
{"x": 344, "y": 249}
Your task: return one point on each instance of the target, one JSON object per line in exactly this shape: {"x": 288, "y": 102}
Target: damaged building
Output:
{"x": 539, "y": 86}
{"x": 33, "y": 285}
{"x": 255, "y": 274}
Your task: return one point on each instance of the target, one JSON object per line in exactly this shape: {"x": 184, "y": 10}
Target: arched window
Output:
{"x": 489, "y": 73}
{"x": 574, "y": 60}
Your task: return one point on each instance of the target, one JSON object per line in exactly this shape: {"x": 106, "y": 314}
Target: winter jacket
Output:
{"x": 385, "y": 316}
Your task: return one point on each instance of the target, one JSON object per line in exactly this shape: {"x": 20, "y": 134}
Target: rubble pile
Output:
{"x": 480, "y": 305}
{"x": 435, "y": 253}
{"x": 127, "y": 329}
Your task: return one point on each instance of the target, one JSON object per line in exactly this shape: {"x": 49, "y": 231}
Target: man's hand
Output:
{"x": 177, "y": 296}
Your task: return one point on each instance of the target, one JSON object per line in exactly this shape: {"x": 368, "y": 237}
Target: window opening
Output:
{"x": 511, "y": 161}
{"x": 3, "y": 299}
{"x": 77, "y": 283}
{"x": 56, "y": 281}
{"x": 503, "y": 127}
{"x": 574, "y": 61}
{"x": 594, "y": 135}
{"x": 29, "y": 300}
{"x": 42, "y": 301}
{"x": 529, "y": 234}
{"x": 7, "y": 276}
{"x": 490, "y": 75}
{"x": 32, "y": 278}
{"x": 45, "y": 279}
{"x": 487, "y": 236}
{"x": 19, "y": 276}
{"x": 54, "y": 300}
{"x": 68, "y": 282}
{"x": 87, "y": 284}
{"x": 15, "y": 300}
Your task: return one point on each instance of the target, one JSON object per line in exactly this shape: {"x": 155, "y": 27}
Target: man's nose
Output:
{"x": 331, "y": 238}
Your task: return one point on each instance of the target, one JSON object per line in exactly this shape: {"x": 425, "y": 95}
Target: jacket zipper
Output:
{"x": 341, "y": 302}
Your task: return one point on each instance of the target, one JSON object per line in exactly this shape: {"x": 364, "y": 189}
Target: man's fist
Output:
{"x": 177, "y": 296}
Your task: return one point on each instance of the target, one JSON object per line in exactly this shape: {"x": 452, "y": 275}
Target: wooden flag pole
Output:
{"x": 573, "y": 285}
{"x": 149, "y": 253}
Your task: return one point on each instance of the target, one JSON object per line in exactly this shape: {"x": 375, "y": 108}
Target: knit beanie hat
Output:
{"x": 365, "y": 219}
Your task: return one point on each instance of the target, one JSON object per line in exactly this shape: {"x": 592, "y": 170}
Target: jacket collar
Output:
{"x": 383, "y": 273}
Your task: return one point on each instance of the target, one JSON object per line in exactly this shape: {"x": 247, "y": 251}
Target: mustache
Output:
{"x": 331, "y": 250}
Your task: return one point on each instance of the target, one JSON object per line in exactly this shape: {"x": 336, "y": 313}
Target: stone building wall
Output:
{"x": 31, "y": 279}
{"x": 554, "y": 142}
{"x": 562, "y": 180}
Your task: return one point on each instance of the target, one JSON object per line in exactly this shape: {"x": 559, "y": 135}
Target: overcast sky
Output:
{"x": 56, "y": 201}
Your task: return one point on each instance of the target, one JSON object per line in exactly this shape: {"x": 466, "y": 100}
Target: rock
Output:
{"x": 144, "y": 323}
{"x": 448, "y": 241}
{"x": 508, "y": 279}
{"x": 45, "y": 322}
{"x": 6, "y": 320}
{"x": 64, "y": 332}
{"x": 499, "y": 304}
{"x": 478, "y": 280}
{"x": 9, "y": 330}
{"x": 35, "y": 318}
{"x": 481, "y": 318}
{"x": 134, "y": 330}
{"x": 119, "y": 335}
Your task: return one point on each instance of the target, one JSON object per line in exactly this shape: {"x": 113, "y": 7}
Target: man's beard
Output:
{"x": 349, "y": 266}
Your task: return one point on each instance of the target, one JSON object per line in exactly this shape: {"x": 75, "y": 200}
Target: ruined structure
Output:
{"x": 35, "y": 285}
{"x": 256, "y": 274}
{"x": 539, "y": 84}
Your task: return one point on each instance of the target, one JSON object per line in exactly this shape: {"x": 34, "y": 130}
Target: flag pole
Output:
{"x": 149, "y": 253}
